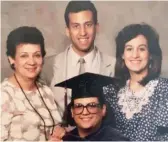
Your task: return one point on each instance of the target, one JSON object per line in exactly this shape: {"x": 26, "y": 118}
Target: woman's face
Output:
{"x": 28, "y": 60}
{"x": 136, "y": 55}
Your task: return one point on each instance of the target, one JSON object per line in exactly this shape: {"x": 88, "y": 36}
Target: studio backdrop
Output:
{"x": 48, "y": 16}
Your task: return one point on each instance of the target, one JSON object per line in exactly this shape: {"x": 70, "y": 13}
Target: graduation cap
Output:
{"x": 86, "y": 85}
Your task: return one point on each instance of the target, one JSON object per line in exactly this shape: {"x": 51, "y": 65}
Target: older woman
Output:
{"x": 141, "y": 104}
{"x": 28, "y": 109}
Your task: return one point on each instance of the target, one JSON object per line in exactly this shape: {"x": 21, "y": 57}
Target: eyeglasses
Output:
{"x": 92, "y": 108}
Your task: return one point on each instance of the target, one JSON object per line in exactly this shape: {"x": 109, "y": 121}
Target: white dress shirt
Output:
{"x": 73, "y": 64}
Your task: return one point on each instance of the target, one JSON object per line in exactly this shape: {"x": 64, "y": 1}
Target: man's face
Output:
{"x": 82, "y": 31}
{"x": 89, "y": 117}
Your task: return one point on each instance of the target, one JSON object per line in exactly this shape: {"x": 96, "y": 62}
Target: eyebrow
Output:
{"x": 28, "y": 52}
{"x": 138, "y": 46}
{"x": 87, "y": 22}
{"x": 74, "y": 23}
{"x": 87, "y": 103}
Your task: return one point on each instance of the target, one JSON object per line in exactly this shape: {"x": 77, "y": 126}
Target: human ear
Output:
{"x": 104, "y": 110}
{"x": 97, "y": 28}
{"x": 123, "y": 56}
{"x": 72, "y": 113}
{"x": 11, "y": 60}
{"x": 67, "y": 32}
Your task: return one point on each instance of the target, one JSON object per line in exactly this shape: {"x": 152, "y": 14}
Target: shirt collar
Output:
{"x": 88, "y": 57}
{"x": 73, "y": 56}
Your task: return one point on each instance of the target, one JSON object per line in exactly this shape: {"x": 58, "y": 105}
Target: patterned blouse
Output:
{"x": 19, "y": 120}
{"x": 141, "y": 116}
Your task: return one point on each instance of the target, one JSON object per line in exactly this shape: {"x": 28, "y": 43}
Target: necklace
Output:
{"x": 45, "y": 132}
{"x": 133, "y": 99}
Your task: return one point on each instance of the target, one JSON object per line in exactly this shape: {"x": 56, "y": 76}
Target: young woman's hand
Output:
{"x": 58, "y": 133}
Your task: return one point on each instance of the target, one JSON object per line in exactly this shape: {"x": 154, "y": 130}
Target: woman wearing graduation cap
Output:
{"x": 88, "y": 109}
{"x": 141, "y": 105}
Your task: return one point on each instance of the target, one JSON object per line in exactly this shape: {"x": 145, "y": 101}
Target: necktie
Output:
{"x": 82, "y": 67}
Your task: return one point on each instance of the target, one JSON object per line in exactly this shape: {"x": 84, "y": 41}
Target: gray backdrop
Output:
{"x": 112, "y": 16}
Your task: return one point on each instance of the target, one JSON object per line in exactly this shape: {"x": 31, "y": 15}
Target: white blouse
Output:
{"x": 19, "y": 120}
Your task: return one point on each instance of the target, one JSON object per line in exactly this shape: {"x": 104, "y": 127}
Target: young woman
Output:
{"x": 28, "y": 109}
{"x": 141, "y": 104}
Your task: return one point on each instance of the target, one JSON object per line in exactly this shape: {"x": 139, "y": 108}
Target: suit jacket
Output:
{"x": 54, "y": 71}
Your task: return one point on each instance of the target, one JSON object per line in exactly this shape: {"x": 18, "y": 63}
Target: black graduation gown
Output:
{"x": 104, "y": 133}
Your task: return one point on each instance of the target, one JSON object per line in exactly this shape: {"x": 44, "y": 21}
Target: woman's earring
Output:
{"x": 150, "y": 62}
{"x": 150, "y": 58}
{"x": 13, "y": 66}
{"x": 150, "y": 65}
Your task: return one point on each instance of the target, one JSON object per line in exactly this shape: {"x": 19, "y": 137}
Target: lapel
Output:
{"x": 61, "y": 66}
{"x": 105, "y": 64}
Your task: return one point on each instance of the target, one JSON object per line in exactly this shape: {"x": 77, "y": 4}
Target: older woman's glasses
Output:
{"x": 92, "y": 108}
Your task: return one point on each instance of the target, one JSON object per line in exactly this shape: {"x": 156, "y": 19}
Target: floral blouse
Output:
{"x": 19, "y": 121}
{"x": 142, "y": 116}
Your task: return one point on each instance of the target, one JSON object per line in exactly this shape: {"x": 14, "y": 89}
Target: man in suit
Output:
{"x": 82, "y": 55}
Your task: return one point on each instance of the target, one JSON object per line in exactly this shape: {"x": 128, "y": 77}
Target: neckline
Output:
{"x": 139, "y": 91}
{"x": 127, "y": 100}
{"x": 18, "y": 88}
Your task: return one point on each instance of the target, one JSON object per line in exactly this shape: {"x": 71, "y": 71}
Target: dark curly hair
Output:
{"x": 21, "y": 35}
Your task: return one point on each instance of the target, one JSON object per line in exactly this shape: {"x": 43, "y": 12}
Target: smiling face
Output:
{"x": 136, "y": 55}
{"x": 86, "y": 120}
{"x": 27, "y": 61}
{"x": 82, "y": 31}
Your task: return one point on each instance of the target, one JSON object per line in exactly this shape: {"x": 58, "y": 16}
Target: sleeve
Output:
{"x": 52, "y": 101}
{"x": 7, "y": 109}
{"x": 162, "y": 114}
{"x": 46, "y": 74}
{"x": 59, "y": 94}
{"x": 110, "y": 93}
{"x": 113, "y": 61}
